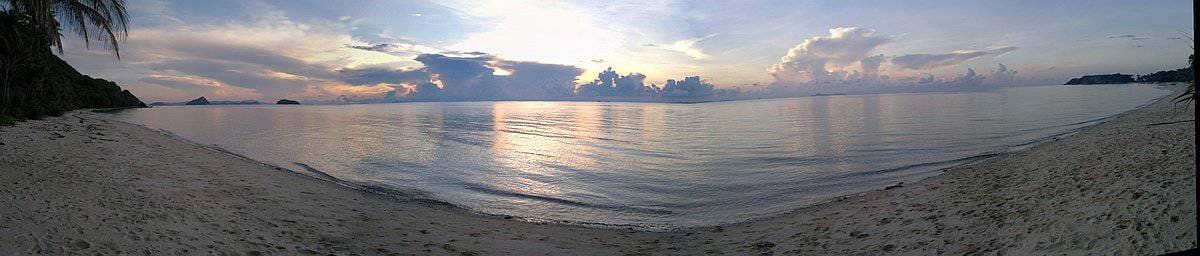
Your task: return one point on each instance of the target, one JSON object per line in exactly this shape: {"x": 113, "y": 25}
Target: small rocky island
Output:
{"x": 198, "y": 101}
{"x": 287, "y": 102}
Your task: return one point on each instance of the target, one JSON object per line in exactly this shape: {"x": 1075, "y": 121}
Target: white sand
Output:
{"x": 83, "y": 184}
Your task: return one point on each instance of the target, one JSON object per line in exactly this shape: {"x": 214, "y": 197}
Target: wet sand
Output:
{"x": 85, "y": 184}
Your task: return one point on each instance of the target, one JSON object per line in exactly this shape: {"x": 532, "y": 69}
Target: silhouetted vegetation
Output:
{"x": 287, "y": 102}
{"x": 1103, "y": 79}
{"x": 100, "y": 20}
{"x": 1189, "y": 95}
{"x": 33, "y": 81}
{"x": 1179, "y": 75}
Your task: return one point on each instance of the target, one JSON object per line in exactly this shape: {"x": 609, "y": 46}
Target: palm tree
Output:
{"x": 1189, "y": 95}
{"x": 100, "y": 20}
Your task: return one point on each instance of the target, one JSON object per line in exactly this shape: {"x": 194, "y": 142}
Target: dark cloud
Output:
{"x": 609, "y": 83}
{"x": 471, "y": 77}
{"x": 538, "y": 80}
{"x": 465, "y": 53}
{"x": 929, "y": 61}
{"x": 371, "y": 76}
{"x": 404, "y": 49}
{"x": 690, "y": 86}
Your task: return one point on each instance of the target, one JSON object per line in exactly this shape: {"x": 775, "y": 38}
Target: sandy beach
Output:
{"x": 83, "y": 183}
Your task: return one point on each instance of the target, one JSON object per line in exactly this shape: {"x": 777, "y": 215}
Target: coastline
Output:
{"x": 230, "y": 204}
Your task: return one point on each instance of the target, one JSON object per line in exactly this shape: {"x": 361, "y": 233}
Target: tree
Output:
{"x": 33, "y": 81}
{"x": 100, "y": 20}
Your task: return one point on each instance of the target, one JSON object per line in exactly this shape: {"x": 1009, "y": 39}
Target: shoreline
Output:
{"x": 985, "y": 157}
{"x": 59, "y": 147}
{"x": 412, "y": 194}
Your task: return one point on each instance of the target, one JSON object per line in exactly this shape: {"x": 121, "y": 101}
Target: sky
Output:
{"x": 513, "y": 49}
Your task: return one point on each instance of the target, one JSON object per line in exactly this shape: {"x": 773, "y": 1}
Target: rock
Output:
{"x": 287, "y": 102}
{"x": 198, "y": 101}
{"x": 764, "y": 245}
{"x": 888, "y": 248}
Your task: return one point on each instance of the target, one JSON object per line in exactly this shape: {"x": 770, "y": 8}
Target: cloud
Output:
{"x": 929, "y": 61}
{"x": 470, "y": 76}
{"x": 1129, "y": 36}
{"x": 810, "y": 60}
{"x": 870, "y": 66}
{"x": 691, "y": 86}
{"x": 609, "y": 83}
{"x": 687, "y": 47}
{"x": 1003, "y": 75}
{"x": 197, "y": 86}
{"x": 378, "y": 75}
{"x": 397, "y": 49}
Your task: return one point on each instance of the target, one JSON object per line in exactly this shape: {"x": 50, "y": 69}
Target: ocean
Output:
{"x": 646, "y": 165}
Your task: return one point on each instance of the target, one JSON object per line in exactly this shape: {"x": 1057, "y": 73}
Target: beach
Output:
{"x": 83, "y": 183}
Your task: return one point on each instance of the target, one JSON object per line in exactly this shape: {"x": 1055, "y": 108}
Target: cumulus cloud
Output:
{"x": 1003, "y": 75}
{"x": 609, "y": 83}
{"x": 691, "y": 86}
{"x": 870, "y": 66}
{"x": 822, "y": 58}
{"x": 929, "y": 61}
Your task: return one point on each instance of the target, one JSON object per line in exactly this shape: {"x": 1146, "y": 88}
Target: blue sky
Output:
{"x": 260, "y": 49}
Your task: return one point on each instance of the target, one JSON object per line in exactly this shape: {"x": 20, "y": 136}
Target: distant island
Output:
{"x": 198, "y": 101}
{"x": 1169, "y": 76}
{"x": 205, "y": 101}
{"x": 1103, "y": 79}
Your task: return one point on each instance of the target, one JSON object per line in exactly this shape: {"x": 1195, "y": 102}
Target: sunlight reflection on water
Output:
{"x": 646, "y": 164}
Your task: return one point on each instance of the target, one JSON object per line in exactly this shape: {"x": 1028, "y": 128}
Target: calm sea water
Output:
{"x": 647, "y": 164}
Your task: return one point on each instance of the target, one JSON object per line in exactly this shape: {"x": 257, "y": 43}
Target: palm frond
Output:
{"x": 100, "y": 20}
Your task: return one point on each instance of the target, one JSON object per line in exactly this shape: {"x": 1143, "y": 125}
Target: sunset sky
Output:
{"x": 251, "y": 49}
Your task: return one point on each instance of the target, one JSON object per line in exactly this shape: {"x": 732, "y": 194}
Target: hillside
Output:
{"x": 1102, "y": 79}
{"x": 36, "y": 82}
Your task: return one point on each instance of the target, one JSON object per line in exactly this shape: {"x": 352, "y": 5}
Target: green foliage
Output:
{"x": 7, "y": 120}
{"x": 1188, "y": 95}
{"x": 34, "y": 82}
{"x": 100, "y": 20}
